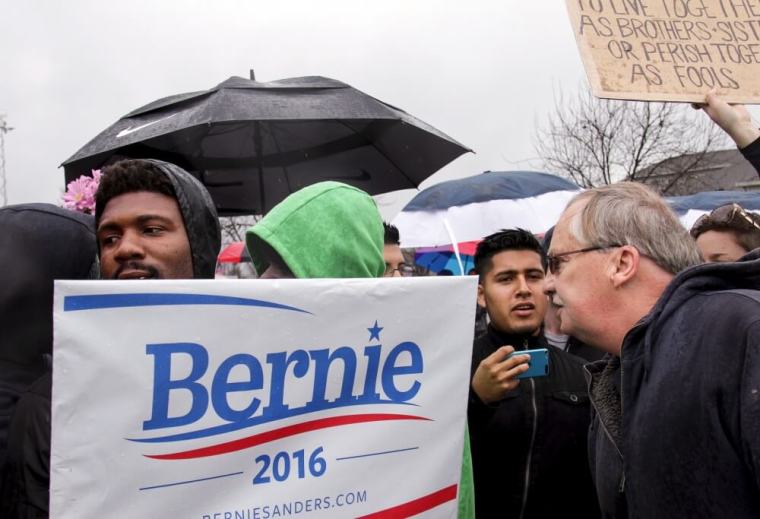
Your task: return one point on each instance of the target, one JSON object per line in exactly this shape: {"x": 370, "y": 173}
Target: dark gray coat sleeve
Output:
{"x": 24, "y": 487}
{"x": 750, "y": 403}
{"x": 752, "y": 154}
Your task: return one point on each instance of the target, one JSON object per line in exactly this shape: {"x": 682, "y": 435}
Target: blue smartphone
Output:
{"x": 539, "y": 362}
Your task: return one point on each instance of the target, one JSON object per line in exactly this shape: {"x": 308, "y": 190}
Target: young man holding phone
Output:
{"x": 528, "y": 433}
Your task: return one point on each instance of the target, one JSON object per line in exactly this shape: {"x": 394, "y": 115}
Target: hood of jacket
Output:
{"x": 707, "y": 277}
{"x": 326, "y": 230}
{"x": 200, "y": 217}
{"x": 38, "y": 244}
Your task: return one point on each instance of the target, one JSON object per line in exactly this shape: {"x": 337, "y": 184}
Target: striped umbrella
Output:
{"x": 474, "y": 207}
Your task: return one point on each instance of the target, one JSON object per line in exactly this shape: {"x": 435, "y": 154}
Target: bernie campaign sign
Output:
{"x": 260, "y": 399}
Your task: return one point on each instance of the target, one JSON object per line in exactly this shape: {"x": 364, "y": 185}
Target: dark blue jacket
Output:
{"x": 39, "y": 243}
{"x": 529, "y": 449}
{"x": 676, "y": 425}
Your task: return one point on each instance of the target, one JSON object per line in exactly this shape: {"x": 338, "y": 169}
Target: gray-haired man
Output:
{"x": 676, "y": 426}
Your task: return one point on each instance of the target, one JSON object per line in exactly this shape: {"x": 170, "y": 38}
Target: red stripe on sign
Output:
{"x": 417, "y": 506}
{"x": 283, "y": 432}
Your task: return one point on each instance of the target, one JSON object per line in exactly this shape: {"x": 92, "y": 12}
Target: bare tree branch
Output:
{"x": 596, "y": 142}
{"x": 234, "y": 227}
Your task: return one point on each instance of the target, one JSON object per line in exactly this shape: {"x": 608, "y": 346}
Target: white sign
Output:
{"x": 260, "y": 399}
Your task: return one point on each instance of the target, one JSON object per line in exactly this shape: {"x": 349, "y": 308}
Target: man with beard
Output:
{"x": 153, "y": 221}
{"x": 528, "y": 436}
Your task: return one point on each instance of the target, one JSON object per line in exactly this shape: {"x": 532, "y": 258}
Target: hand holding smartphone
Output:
{"x": 539, "y": 362}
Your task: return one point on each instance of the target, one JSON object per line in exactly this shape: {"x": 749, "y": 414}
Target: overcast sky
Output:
{"x": 483, "y": 72}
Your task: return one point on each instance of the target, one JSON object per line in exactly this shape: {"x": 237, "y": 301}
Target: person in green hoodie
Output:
{"x": 326, "y": 230}
{"x": 331, "y": 230}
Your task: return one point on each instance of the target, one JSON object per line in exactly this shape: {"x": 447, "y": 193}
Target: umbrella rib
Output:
{"x": 279, "y": 151}
{"x": 393, "y": 163}
{"x": 291, "y": 157}
{"x": 257, "y": 146}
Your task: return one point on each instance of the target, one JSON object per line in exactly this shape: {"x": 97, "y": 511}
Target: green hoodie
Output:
{"x": 326, "y": 230}
{"x": 332, "y": 230}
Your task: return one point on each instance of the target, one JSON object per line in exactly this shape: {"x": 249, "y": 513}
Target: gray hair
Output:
{"x": 629, "y": 213}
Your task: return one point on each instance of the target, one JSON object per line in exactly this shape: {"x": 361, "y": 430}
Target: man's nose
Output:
{"x": 522, "y": 285}
{"x": 549, "y": 288}
{"x": 129, "y": 247}
{"x": 397, "y": 273}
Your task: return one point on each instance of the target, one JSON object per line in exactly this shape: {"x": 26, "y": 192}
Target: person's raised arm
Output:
{"x": 735, "y": 120}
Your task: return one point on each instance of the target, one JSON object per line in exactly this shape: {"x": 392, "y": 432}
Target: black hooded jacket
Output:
{"x": 751, "y": 152}
{"x": 38, "y": 243}
{"x": 535, "y": 437}
{"x": 24, "y": 482}
{"x": 199, "y": 215}
{"x": 676, "y": 428}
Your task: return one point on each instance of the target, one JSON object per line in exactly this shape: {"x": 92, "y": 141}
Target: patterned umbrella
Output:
{"x": 443, "y": 257}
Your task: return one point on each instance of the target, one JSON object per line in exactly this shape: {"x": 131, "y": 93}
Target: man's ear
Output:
{"x": 625, "y": 265}
{"x": 481, "y": 296}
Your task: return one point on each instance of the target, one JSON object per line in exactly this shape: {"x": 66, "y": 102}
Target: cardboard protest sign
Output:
{"x": 670, "y": 50}
{"x": 260, "y": 399}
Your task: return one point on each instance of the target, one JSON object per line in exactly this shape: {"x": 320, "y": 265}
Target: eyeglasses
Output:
{"x": 554, "y": 261}
{"x": 404, "y": 270}
{"x": 729, "y": 215}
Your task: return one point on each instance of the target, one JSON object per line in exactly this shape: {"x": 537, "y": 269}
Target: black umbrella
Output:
{"x": 254, "y": 143}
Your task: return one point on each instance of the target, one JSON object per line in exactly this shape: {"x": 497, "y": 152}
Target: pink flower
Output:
{"x": 80, "y": 193}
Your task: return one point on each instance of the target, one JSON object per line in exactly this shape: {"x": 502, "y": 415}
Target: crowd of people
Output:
{"x": 651, "y": 405}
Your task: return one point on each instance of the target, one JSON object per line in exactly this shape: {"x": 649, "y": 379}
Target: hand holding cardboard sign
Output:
{"x": 734, "y": 119}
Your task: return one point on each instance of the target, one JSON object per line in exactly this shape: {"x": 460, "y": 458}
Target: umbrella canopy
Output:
{"x": 443, "y": 257}
{"x": 438, "y": 261}
{"x": 474, "y": 207}
{"x": 235, "y": 252}
{"x": 466, "y": 248}
{"x": 253, "y": 143}
{"x": 691, "y": 207}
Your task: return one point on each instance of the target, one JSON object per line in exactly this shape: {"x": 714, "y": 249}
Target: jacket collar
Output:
{"x": 516, "y": 340}
{"x": 603, "y": 378}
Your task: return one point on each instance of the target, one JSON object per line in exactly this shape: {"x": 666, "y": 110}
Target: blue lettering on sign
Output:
{"x": 391, "y": 370}
{"x": 162, "y": 383}
{"x": 397, "y": 376}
